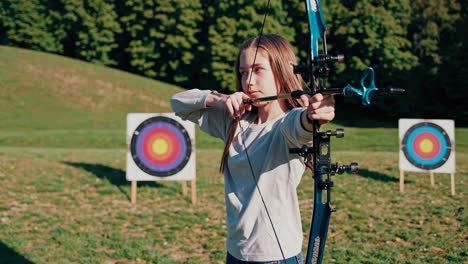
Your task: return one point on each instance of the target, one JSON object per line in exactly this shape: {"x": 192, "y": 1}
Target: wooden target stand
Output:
{"x": 431, "y": 174}
{"x": 193, "y": 188}
{"x": 427, "y": 145}
{"x": 160, "y": 147}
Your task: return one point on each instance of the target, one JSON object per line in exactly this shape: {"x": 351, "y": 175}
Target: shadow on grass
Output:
{"x": 8, "y": 255}
{"x": 114, "y": 176}
{"x": 377, "y": 176}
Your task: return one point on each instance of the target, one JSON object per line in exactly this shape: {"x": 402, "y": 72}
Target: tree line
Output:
{"x": 417, "y": 45}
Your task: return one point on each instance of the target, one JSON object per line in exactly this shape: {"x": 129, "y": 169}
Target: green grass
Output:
{"x": 65, "y": 199}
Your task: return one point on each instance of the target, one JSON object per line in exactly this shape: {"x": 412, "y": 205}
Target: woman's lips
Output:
{"x": 252, "y": 95}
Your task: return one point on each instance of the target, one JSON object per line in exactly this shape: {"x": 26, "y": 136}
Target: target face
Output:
{"x": 426, "y": 145}
{"x": 161, "y": 146}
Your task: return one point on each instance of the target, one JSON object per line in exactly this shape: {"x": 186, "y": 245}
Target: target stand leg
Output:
{"x": 402, "y": 181}
{"x": 193, "y": 190}
{"x": 134, "y": 192}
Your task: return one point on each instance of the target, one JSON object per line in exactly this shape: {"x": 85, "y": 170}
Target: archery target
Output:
{"x": 160, "y": 146}
{"x": 427, "y": 145}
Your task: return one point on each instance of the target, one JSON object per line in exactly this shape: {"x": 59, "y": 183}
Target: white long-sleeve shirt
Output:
{"x": 250, "y": 235}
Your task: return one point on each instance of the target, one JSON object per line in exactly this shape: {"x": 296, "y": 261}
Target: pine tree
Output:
{"x": 29, "y": 24}
{"x": 235, "y": 21}
{"x": 159, "y": 37}
{"x": 437, "y": 35}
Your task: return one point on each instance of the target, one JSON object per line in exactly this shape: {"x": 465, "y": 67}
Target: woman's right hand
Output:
{"x": 234, "y": 102}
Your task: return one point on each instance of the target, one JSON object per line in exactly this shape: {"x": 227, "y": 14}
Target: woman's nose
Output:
{"x": 248, "y": 81}
{"x": 251, "y": 79}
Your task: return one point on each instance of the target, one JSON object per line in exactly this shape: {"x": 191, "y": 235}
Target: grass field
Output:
{"x": 65, "y": 198}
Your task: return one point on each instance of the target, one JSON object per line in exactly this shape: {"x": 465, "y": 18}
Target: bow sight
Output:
{"x": 321, "y": 67}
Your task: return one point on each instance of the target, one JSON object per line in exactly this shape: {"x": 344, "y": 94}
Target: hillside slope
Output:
{"x": 45, "y": 91}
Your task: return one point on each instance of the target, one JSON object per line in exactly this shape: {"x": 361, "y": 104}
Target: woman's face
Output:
{"x": 257, "y": 79}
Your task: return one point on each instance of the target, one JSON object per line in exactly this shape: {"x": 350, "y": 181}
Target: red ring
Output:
{"x": 166, "y": 158}
{"x": 426, "y": 136}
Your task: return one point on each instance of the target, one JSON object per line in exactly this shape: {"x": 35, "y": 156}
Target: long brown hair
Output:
{"x": 280, "y": 55}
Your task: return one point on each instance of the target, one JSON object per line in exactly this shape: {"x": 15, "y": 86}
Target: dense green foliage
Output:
{"x": 417, "y": 45}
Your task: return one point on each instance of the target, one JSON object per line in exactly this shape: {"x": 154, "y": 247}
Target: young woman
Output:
{"x": 260, "y": 175}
